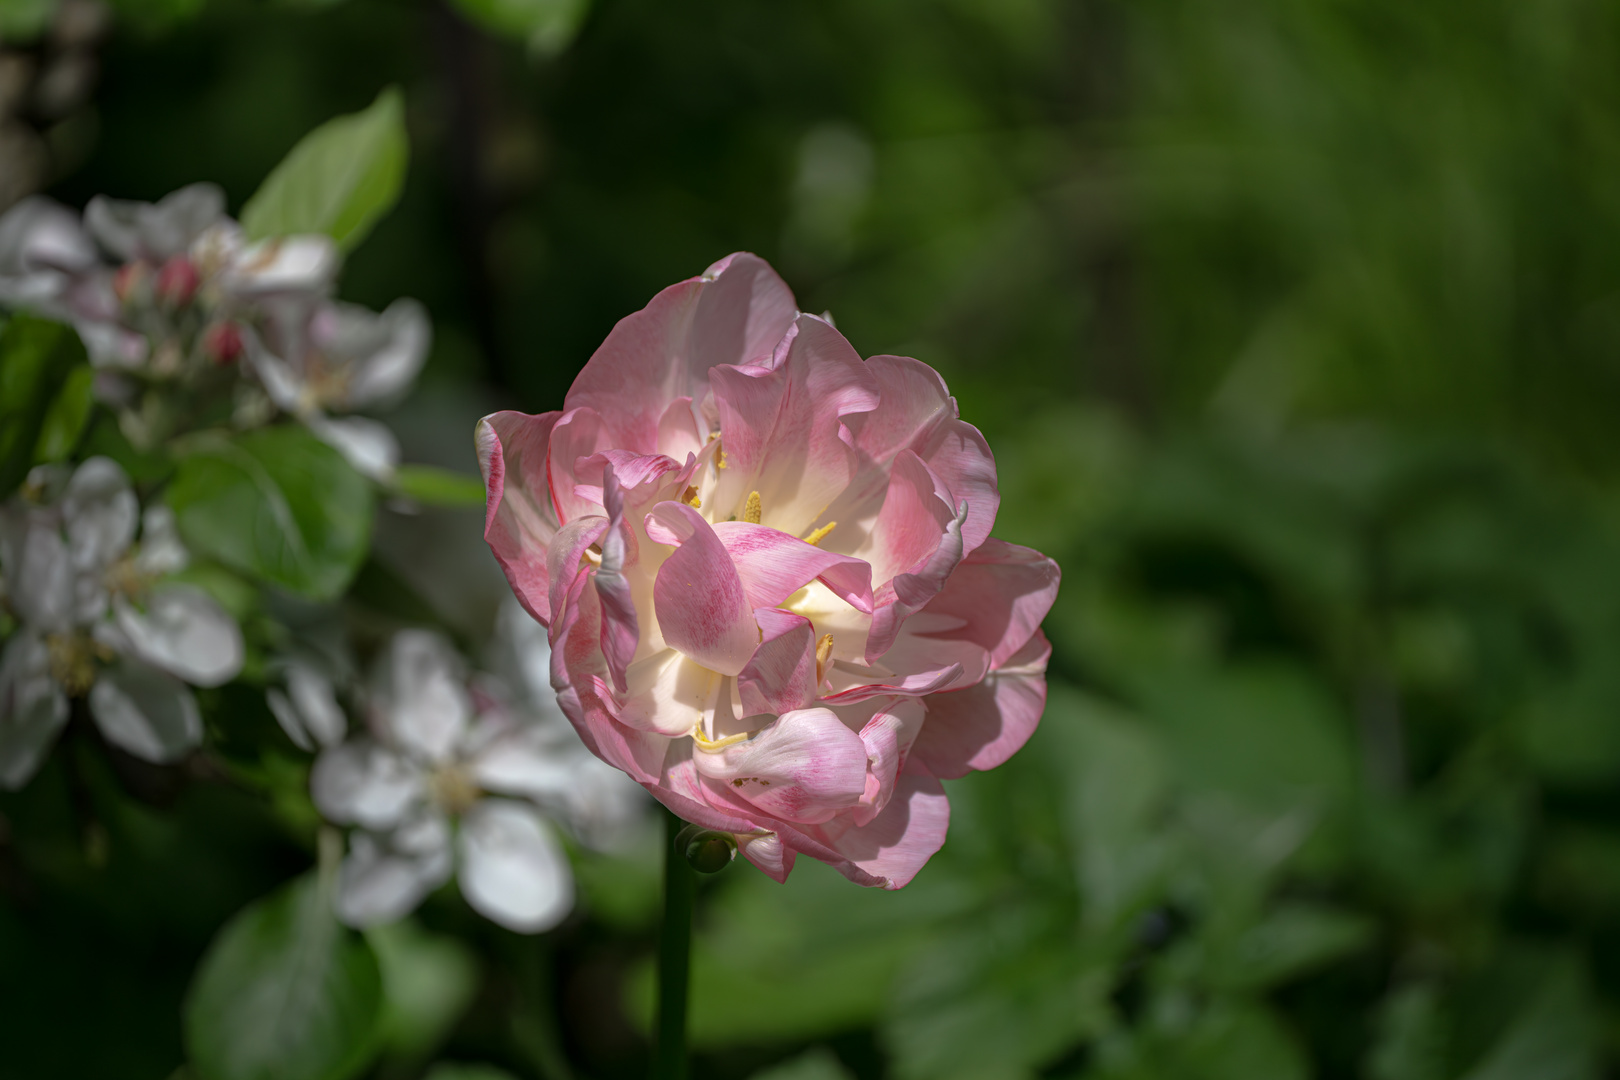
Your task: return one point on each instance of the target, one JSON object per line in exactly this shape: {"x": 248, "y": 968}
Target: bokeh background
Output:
{"x": 1295, "y": 327}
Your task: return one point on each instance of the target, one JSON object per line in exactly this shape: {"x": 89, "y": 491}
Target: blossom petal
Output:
{"x": 698, "y": 595}
{"x": 365, "y": 783}
{"x": 40, "y": 582}
{"x": 804, "y": 767}
{"x": 154, "y": 231}
{"x": 513, "y": 871}
{"x": 161, "y": 550}
{"x": 308, "y": 712}
{"x": 385, "y": 351}
{"x": 621, "y": 631}
{"x": 33, "y": 709}
{"x": 367, "y": 445}
{"x": 146, "y": 712}
{"x": 184, "y": 632}
{"x": 99, "y": 512}
{"x": 421, "y": 695}
{"x": 736, "y": 312}
{"x": 519, "y": 521}
{"x": 383, "y": 879}
{"x": 281, "y": 266}
{"x": 888, "y": 737}
{"x": 900, "y": 840}
{"x": 766, "y": 851}
{"x": 982, "y": 726}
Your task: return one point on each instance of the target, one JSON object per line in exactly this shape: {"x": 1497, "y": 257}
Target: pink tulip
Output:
{"x": 767, "y": 572}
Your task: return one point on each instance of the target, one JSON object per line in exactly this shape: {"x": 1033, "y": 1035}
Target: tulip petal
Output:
{"x": 621, "y": 631}
{"x": 735, "y": 313}
{"x": 982, "y": 726}
{"x": 519, "y": 521}
{"x": 578, "y": 435}
{"x": 698, "y": 595}
{"x": 513, "y": 871}
{"x": 804, "y": 767}
{"x": 773, "y": 566}
{"x": 888, "y": 737}
{"x": 1000, "y": 593}
{"x": 766, "y": 851}
{"x": 146, "y": 712}
{"x": 781, "y": 675}
{"x": 900, "y": 840}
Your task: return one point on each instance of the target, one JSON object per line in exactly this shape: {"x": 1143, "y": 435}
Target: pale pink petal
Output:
{"x": 667, "y": 693}
{"x": 620, "y": 629}
{"x": 918, "y": 685}
{"x": 781, "y": 675}
{"x": 565, "y": 556}
{"x": 804, "y": 767}
{"x": 984, "y": 725}
{"x": 782, "y": 426}
{"x": 734, "y": 314}
{"x": 896, "y": 844}
{"x": 578, "y": 434}
{"x": 1001, "y": 593}
{"x": 773, "y": 566}
{"x": 910, "y": 517}
{"x": 888, "y": 737}
{"x": 519, "y": 521}
{"x": 766, "y": 851}
{"x": 698, "y": 595}
{"x": 679, "y": 430}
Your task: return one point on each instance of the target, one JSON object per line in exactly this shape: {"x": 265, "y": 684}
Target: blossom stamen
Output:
{"x": 821, "y": 534}
{"x": 753, "y": 509}
{"x": 823, "y": 655}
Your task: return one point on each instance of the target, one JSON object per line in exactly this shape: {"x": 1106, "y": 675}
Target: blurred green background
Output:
{"x": 1295, "y": 326}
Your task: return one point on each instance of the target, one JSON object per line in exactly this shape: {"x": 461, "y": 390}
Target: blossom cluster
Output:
{"x": 166, "y": 294}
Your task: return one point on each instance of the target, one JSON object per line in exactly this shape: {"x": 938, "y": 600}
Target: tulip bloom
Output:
{"x": 767, "y": 573}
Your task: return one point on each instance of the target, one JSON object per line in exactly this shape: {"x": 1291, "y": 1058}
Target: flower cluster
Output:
{"x": 166, "y": 294}
{"x": 452, "y": 777}
{"x": 101, "y": 618}
{"x": 767, "y": 573}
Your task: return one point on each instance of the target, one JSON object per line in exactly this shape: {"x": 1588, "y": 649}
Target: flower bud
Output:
{"x": 706, "y": 851}
{"x": 176, "y": 282}
{"x": 222, "y": 343}
{"x": 131, "y": 282}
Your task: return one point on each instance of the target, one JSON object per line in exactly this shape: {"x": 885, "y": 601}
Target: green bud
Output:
{"x": 706, "y": 851}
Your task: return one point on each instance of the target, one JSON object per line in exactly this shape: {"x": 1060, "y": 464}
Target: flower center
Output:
{"x": 453, "y": 789}
{"x": 73, "y": 660}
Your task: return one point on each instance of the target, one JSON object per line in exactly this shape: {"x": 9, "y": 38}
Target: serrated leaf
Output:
{"x": 36, "y": 359}
{"x": 284, "y": 993}
{"x": 340, "y": 178}
{"x": 438, "y": 487}
{"x": 277, "y": 504}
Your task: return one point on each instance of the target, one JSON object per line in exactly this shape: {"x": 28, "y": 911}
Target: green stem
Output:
{"x": 674, "y": 958}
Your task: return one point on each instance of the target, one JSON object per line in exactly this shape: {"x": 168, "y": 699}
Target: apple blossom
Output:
{"x": 767, "y": 574}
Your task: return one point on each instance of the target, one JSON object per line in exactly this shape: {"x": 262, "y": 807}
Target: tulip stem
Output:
{"x": 674, "y": 957}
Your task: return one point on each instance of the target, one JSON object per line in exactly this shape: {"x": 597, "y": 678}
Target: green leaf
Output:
{"x": 37, "y": 357}
{"x": 450, "y": 1070}
{"x": 546, "y": 26}
{"x": 277, "y": 504}
{"x": 438, "y": 487}
{"x": 285, "y": 993}
{"x": 817, "y": 1064}
{"x": 428, "y": 981}
{"x": 67, "y": 416}
{"x": 338, "y": 180}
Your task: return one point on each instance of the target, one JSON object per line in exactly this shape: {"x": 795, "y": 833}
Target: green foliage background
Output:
{"x": 1296, "y": 329}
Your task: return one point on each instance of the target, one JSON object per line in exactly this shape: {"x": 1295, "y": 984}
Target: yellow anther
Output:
{"x": 753, "y": 510}
{"x": 823, "y": 654}
{"x": 690, "y": 498}
{"x": 710, "y": 746}
{"x": 821, "y": 534}
{"x": 720, "y": 463}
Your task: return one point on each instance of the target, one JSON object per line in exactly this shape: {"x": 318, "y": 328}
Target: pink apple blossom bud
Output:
{"x": 766, "y": 571}
{"x": 131, "y": 282}
{"x": 176, "y": 282}
{"x": 222, "y": 343}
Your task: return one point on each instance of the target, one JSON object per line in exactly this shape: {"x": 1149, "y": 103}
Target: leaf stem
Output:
{"x": 674, "y": 958}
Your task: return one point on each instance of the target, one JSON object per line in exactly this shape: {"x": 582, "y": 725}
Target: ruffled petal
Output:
{"x": 804, "y": 767}
{"x": 519, "y": 521}
{"x": 146, "y": 712}
{"x": 513, "y": 871}
{"x": 781, "y": 675}
{"x": 984, "y": 725}
{"x": 773, "y": 566}
{"x": 698, "y": 595}
{"x": 889, "y": 850}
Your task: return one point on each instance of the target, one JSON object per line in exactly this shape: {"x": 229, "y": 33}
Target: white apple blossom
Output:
{"x": 98, "y": 617}
{"x": 456, "y": 777}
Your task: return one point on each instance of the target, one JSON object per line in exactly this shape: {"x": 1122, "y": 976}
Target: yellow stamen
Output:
{"x": 721, "y": 462}
{"x": 753, "y": 510}
{"x": 823, "y": 654}
{"x": 593, "y": 554}
{"x": 821, "y": 534}
{"x": 709, "y": 746}
{"x": 690, "y": 498}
